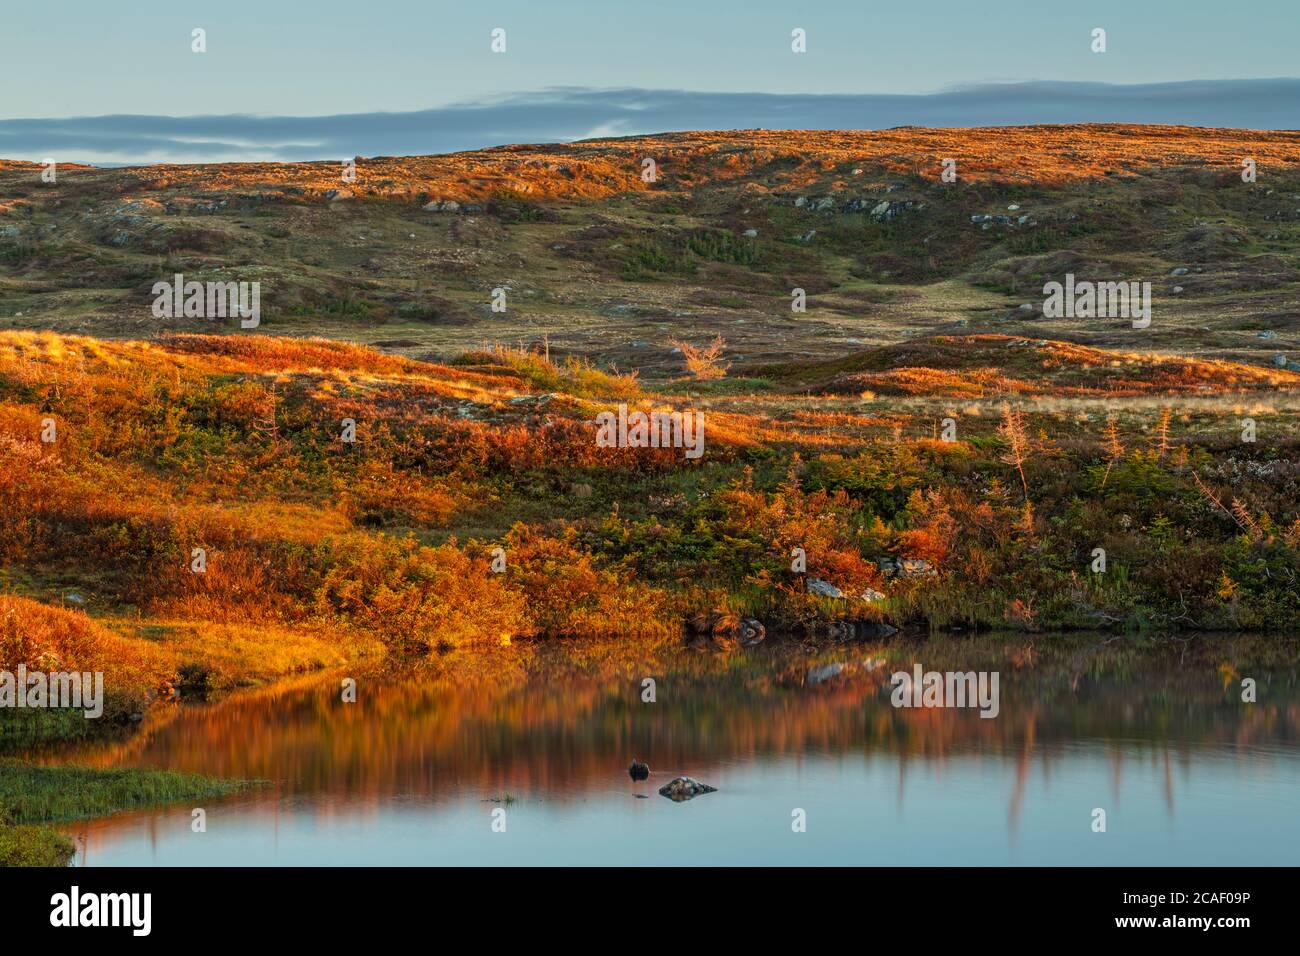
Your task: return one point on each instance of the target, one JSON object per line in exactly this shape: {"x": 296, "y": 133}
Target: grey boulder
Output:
{"x": 684, "y": 788}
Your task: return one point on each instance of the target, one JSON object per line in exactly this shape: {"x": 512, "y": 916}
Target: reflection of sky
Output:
{"x": 1187, "y": 773}
{"x": 1208, "y": 806}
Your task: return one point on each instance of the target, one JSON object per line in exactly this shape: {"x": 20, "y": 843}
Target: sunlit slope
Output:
{"x": 590, "y": 247}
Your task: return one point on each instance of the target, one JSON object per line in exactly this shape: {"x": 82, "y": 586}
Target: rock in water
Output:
{"x": 684, "y": 788}
{"x": 854, "y": 630}
{"x": 727, "y": 630}
{"x": 869, "y": 632}
{"x": 745, "y": 630}
{"x": 638, "y": 770}
{"x": 819, "y": 675}
{"x": 837, "y": 630}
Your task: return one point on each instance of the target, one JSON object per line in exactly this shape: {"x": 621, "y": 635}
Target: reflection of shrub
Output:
{"x": 195, "y": 680}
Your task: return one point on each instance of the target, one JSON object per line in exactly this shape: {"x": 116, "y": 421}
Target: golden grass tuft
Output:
{"x": 52, "y": 639}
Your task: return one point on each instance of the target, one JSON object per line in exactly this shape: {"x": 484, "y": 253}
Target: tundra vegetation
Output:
{"x": 1172, "y": 449}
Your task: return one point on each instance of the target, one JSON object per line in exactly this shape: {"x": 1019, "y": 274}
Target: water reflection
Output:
{"x": 1158, "y": 735}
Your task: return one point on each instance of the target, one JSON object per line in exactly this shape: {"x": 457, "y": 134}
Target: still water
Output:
{"x": 1156, "y": 734}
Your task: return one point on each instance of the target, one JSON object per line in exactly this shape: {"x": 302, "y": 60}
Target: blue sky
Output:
{"x": 329, "y": 57}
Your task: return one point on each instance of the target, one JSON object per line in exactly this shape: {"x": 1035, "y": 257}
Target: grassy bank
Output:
{"x": 471, "y": 509}
{"x": 32, "y": 796}
{"x": 34, "y": 846}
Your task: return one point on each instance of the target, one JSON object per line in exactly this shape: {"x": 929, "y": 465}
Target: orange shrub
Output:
{"x": 51, "y": 639}
{"x": 414, "y": 597}
{"x": 568, "y": 595}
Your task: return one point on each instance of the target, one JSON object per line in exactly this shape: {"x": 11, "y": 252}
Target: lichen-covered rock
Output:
{"x": 822, "y": 588}
{"x": 685, "y": 788}
{"x": 915, "y": 568}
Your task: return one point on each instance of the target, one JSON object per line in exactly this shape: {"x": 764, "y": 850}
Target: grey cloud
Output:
{"x": 568, "y": 113}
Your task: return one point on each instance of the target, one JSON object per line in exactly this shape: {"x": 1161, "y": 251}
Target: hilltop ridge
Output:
{"x": 601, "y": 262}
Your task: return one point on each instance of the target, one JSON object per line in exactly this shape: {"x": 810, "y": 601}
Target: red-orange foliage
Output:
{"x": 51, "y": 639}
{"x": 595, "y": 169}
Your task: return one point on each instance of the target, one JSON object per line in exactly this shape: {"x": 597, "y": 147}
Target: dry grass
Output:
{"x": 596, "y": 169}
{"x": 318, "y": 551}
{"x": 51, "y": 639}
{"x": 974, "y": 366}
{"x": 704, "y": 362}
{"x": 232, "y": 445}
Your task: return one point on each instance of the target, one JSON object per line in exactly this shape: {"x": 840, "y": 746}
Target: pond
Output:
{"x": 531, "y": 766}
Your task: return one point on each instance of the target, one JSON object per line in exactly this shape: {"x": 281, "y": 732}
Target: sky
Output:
{"x": 333, "y": 58}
